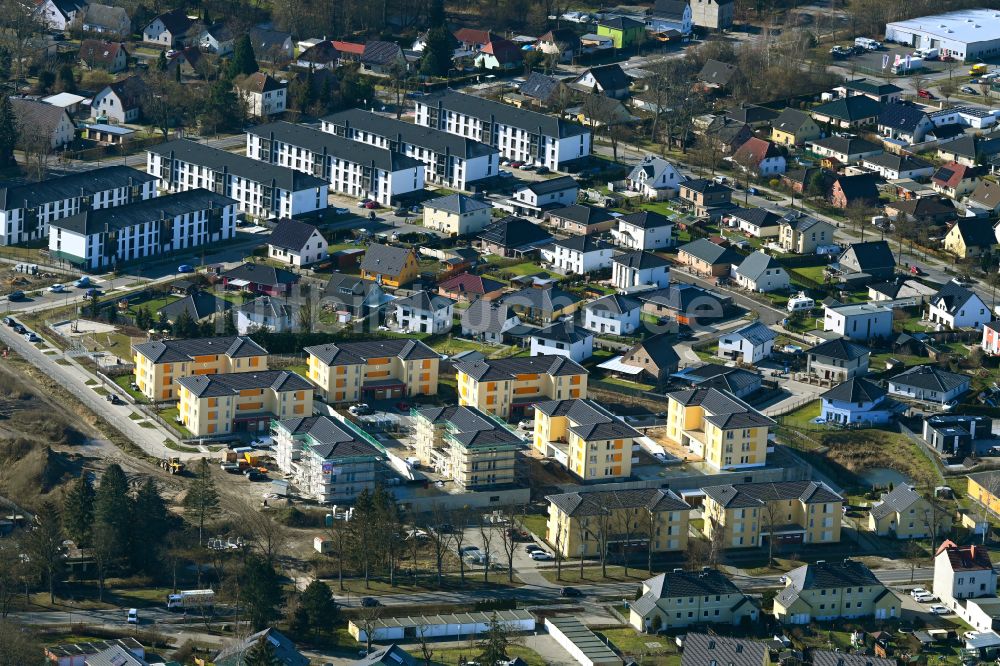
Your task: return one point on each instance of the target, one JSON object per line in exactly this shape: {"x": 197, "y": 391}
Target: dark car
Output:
{"x": 254, "y": 475}
{"x": 446, "y": 528}
{"x": 9, "y": 321}
{"x": 19, "y": 329}
{"x": 16, "y": 296}
{"x": 570, "y": 592}
{"x": 401, "y": 212}
{"x": 370, "y": 602}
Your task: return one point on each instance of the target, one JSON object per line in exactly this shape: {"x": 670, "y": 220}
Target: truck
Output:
{"x": 916, "y": 64}
{"x": 866, "y": 43}
{"x": 191, "y": 599}
{"x": 978, "y": 69}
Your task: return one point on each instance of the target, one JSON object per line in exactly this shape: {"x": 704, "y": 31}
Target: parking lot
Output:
{"x": 871, "y": 62}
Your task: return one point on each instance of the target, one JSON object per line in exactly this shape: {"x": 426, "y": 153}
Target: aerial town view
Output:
{"x": 499, "y": 332}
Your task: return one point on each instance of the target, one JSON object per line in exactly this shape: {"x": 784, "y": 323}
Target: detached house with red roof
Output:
{"x": 956, "y": 180}
{"x": 469, "y": 287}
{"x": 99, "y": 54}
{"x": 474, "y": 40}
{"x": 264, "y": 95}
{"x": 499, "y": 54}
{"x": 963, "y": 574}
{"x": 761, "y": 157}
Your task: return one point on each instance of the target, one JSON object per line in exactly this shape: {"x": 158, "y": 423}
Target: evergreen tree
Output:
{"x": 262, "y": 591}
{"x": 202, "y": 498}
{"x": 435, "y": 14}
{"x": 494, "y": 644}
{"x": 243, "y": 61}
{"x": 150, "y": 528}
{"x": 262, "y": 654}
{"x": 222, "y": 108}
{"x": 317, "y": 606}
{"x": 438, "y": 52}
{"x": 355, "y": 90}
{"x": 161, "y": 62}
{"x": 8, "y": 132}
{"x": 184, "y": 326}
{"x": 44, "y": 545}
{"x": 113, "y": 508}
{"x": 78, "y": 511}
{"x": 229, "y": 323}
{"x": 66, "y": 81}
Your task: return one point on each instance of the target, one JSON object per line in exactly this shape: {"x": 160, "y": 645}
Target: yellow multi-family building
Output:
{"x": 160, "y": 363}
{"x": 719, "y": 427}
{"x": 476, "y": 450}
{"x": 581, "y": 523}
{"x": 788, "y": 512}
{"x": 506, "y": 387}
{"x": 585, "y": 437}
{"x": 906, "y": 514}
{"x": 984, "y": 487}
{"x": 373, "y": 369}
{"x": 682, "y": 598}
{"x": 242, "y": 402}
{"x": 833, "y": 590}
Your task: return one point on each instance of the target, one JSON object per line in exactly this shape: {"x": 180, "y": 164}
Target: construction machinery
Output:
{"x": 172, "y": 465}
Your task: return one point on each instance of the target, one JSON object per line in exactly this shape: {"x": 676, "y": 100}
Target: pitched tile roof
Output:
{"x": 381, "y": 53}
{"x": 198, "y": 305}
{"x": 265, "y": 306}
{"x": 755, "y": 265}
{"x": 722, "y": 378}
{"x": 231, "y": 383}
{"x": 547, "y": 299}
{"x": 708, "y": 650}
{"x": 176, "y": 21}
{"x": 329, "y": 438}
{"x": 791, "y": 120}
{"x": 709, "y": 252}
{"x": 565, "y": 332}
{"x": 508, "y": 368}
{"x": 492, "y": 111}
{"x": 539, "y": 86}
{"x": 513, "y": 233}
{"x": 456, "y": 203}
{"x": 614, "y": 303}
{"x": 930, "y": 377}
{"x": 468, "y": 283}
{"x": 899, "y": 163}
{"x": 951, "y": 297}
{"x": 357, "y": 353}
{"x": 259, "y": 83}
{"x": 385, "y": 259}
{"x": 646, "y": 219}
{"x": 424, "y": 301}
{"x": 847, "y": 145}
{"x": 856, "y": 390}
{"x": 263, "y": 274}
{"x": 640, "y": 260}
{"x": 182, "y": 351}
{"x": 755, "y": 150}
{"x": 608, "y": 77}
{"x": 288, "y": 655}
{"x": 659, "y": 350}
{"x": 966, "y": 558}
{"x": 584, "y": 244}
{"x": 291, "y": 235}
{"x": 901, "y": 116}
{"x": 756, "y": 217}
{"x": 100, "y": 52}
{"x": 316, "y": 140}
{"x": 756, "y": 333}
{"x": 594, "y": 502}
{"x": 746, "y": 495}
{"x": 852, "y": 109}
{"x": 723, "y": 410}
{"x": 716, "y": 72}
{"x": 897, "y": 500}
{"x": 35, "y": 114}
{"x": 582, "y": 214}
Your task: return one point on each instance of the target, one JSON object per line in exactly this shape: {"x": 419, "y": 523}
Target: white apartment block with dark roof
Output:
{"x": 350, "y": 167}
{"x": 26, "y": 210}
{"x": 518, "y": 134}
{"x": 451, "y": 160}
{"x": 263, "y": 191}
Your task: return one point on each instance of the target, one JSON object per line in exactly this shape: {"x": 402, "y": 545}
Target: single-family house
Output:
{"x": 844, "y": 149}
{"x": 831, "y": 590}
{"x": 353, "y": 298}
{"x": 105, "y": 20}
{"x": 120, "y": 101}
{"x": 969, "y": 150}
{"x": 473, "y": 39}
{"x": 762, "y": 158}
{"x": 652, "y": 359}
{"x": 271, "y": 46}
{"x": 383, "y": 58}
{"x": 716, "y": 75}
{"x": 748, "y": 344}
{"x": 99, "y": 54}
{"x": 612, "y": 315}
{"x": 956, "y": 180}
{"x": 929, "y": 383}
{"x": 218, "y": 39}
{"x": 904, "y": 123}
{"x": 488, "y": 321}
{"x": 762, "y": 273}
{"x": 644, "y": 230}
{"x": 860, "y": 189}
{"x": 985, "y": 199}
{"x": 168, "y": 30}
{"x": 836, "y": 361}
{"x": 935, "y": 209}
{"x": 708, "y": 198}
{"x": 801, "y": 234}
{"x": 894, "y": 167}
{"x": 634, "y": 271}
{"x": 466, "y": 287}
{"x": 903, "y": 513}
{"x": 600, "y": 111}
{"x": 457, "y": 214}
{"x": 962, "y": 573}
{"x": 686, "y": 304}
{"x": 608, "y": 80}
{"x": 322, "y": 55}
{"x": 856, "y": 401}
{"x": 562, "y": 42}
{"x": 581, "y": 220}
{"x": 970, "y": 237}
{"x": 680, "y": 598}
{"x": 541, "y": 304}
{"x": 756, "y": 222}
{"x": 543, "y": 90}
{"x": 59, "y": 15}
{"x": 296, "y": 244}
{"x": 887, "y": 93}
{"x": 577, "y": 255}
{"x": 535, "y": 198}
{"x": 727, "y": 134}
{"x": 794, "y": 128}
{"x": 563, "y": 339}
{"x": 389, "y": 265}
{"x": 704, "y": 257}
{"x": 955, "y": 306}
{"x": 654, "y": 178}
{"x": 499, "y": 54}
{"x": 512, "y": 237}
{"x": 757, "y": 117}
{"x": 423, "y": 312}
{"x": 198, "y": 305}
{"x": 265, "y": 314}
{"x": 874, "y": 259}
{"x": 668, "y": 15}
{"x": 901, "y": 287}
{"x": 623, "y": 31}
{"x": 715, "y": 15}
{"x": 858, "y": 321}
{"x": 984, "y": 487}
{"x": 285, "y": 652}
{"x": 45, "y": 121}
{"x": 848, "y": 112}
{"x": 264, "y": 95}
{"x": 259, "y": 279}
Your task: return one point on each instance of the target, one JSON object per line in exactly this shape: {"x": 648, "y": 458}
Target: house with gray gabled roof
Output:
{"x": 652, "y": 359}
{"x": 265, "y": 314}
{"x": 793, "y": 128}
{"x": 577, "y": 255}
{"x": 680, "y": 598}
{"x": 756, "y": 222}
{"x": 259, "y": 279}
{"x": 748, "y": 344}
{"x": 844, "y": 149}
{"x": 929, "y": 383}
{"x": 896, "y": 167}
{"x": 198, "y": 305}
{"x": 387, "y": 656}
{"x": 488, "y": 321}
{"x": 857, "y": 401}
{"x": 654, "y": 178}
{"x": 351, "y": 297}
{"x": 836, "y": 360}
{"x": 512, "y": 237}
{"x": 762, "y": 273}
{"x": 284, "y": 649}
{"x": 904, "y": 123}
{"x": 105, "y": 20}
{"x": 716, "y": 74}
{"x": 634, "y": 271}
{"x": 542, "y": 304}
{"x": 644, "y": 230}
{"x": 296, "y": 244}
{"x": 904, "y": 513}
{"x": 389, "y": 265}
{"x": 43, "y": 120}
{"x": 713, "y": 650}
{"x": 955, "y": 306}
{"x": 608, "y": 80}
{"x": 887, "y": 93}
{"x": 819, "y": 592}
{"x": 423, "y": 312}
{"x": 848, "y": 112}
{"x": 612, "y": 315}
{"x": 563, "y": 339}
{"x": 581, "y": 220}
{"x": 542, "y": 89}
{"x": 707, "y": 258}
{"x": 871, "y": 259}
{"x": 739, "y": 382}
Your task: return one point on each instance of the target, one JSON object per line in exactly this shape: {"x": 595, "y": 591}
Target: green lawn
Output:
{"x": 816, "y": 273}
{"x": 124, "y": 382}
{"x": 536, "y": 524}
{"x": 660, "y": 650}
{"x": 153, "y": 305}
{"x": 526, "y": 268}
{"x": 592, "y": 573}
{"x": 170, "y": 415}
{"x": 640, "y": 386}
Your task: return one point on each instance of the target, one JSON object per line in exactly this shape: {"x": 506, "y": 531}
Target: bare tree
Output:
{"x": 772, "y": 518}
{"x": 266, "y": 535}
{"x": 716, "y": 541}
{"x": 439, "y": 542}
{"x": 340, "y": 535}
{"x": 511, "y": 515}
{"x": 20, "y": 24}
{"x": 487, "y": 531}
{"x": 368, "y": 620}
{"x": 935, "y": 517}
{"x": 426, "y": 651}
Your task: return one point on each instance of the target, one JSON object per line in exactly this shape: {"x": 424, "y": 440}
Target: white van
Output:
{"x": 800, "y": 302}
{"x": 927, "y": 54}
{"x": 866, "y": 43}
{"x": 133, "y": 616}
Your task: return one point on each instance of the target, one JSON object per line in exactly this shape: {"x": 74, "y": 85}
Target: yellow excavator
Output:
{"x": 172, "y": 465}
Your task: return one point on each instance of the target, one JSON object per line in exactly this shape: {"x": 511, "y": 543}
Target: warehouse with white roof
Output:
{"x": 968, "y": 34}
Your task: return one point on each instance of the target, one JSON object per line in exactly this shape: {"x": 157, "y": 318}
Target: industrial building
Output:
{"x": 968, "y": 34}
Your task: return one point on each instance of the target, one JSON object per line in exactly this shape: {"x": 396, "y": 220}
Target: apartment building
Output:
{"x": 27, "y": 209}
{"x": 679, "y": 598}
{"x": 719, "y": 427}
{"x": 833, "y": 590}
{"x": 475, "y": 449}
{"x": 100, "y": 239}
{"x": 373, "y": 369}
{"x": 586, "y": 438}
{"x": 242, "y": 402}
{"x": 349, "y": 167}
{"x": 159, "y": 363}
{"x": 263, "y": 191}
{"x": 581, "y": 522}
{"x": 506, "y": 387}
{"x": 449, "y": 159}
{"x": 519, "y": 134}
{"x": 787, "y": 513}
{"x": 329, "y": 460}
{"x": 963, "y": 572}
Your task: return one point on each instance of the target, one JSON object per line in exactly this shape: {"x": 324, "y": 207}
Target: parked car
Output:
{"x": 468, "y": 549}
{"x": 516, "y": 164}
{"x": 20, "y": 330}
{"x": 57, "y": 288}
{"x": 527, "y": 167}
{"x": 133, "y": 616}
{"x": 532, "y": 548}
{"x": 925, "y": 94}
{"x": 570, "y": 592}
{"x": 82, "y": 282}
{"x": 91, "y": 293}
{"x": 924, "y": 598}
{"x": 185, "y": 268}
{"x": 541, "y": 556}
{"x": 370, "y": 602}
{"x": 371, "y": 205}
{"x": 32, "y": 337}
{"x": 969, "y": 90}
{"x": 938, "y": 609}
{"x": 341, "y": 211}
{"x": 918, "y": 590}
{"x": 542, "y": 170}
{"x": 363, "y": 203}
{"x": 9, "y": 321}
{"x": 16, "y": 295}
{"x": 401, "y": 212}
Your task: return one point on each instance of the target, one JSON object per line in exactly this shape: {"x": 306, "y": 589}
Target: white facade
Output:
{"x": 518, "y": 134}
{"x": 951, "y": 585}
{"x": 578, "y": 350}
{"x": 450, "y": 165}
{"x": 267, "y": 103}
{"x": 108, "y": 103}
{"x": 606, "y": 322}
{"x": 627, "y": 278}
{"x": 349, "y": 167}
{"x": 53, "y": 18}
{"x": 968, "y": 34}
{"x": 572, "y": 261}
{"x": 859, "y": 322}
{"x": 262, "y": 318}
{"x": 892, "y": 173}
{"x": 772, "y": 279}
{"x": 635, "y": 237}
{"x": 734, "y": 345}
{"x": 312, "y": 251}
{"x": 157, "y": 33}
{"x": 100, "y": 239}
{"x": 974, "y": 313}
{"x": 258, "y": 195}
{"x": 437, "y": 319}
